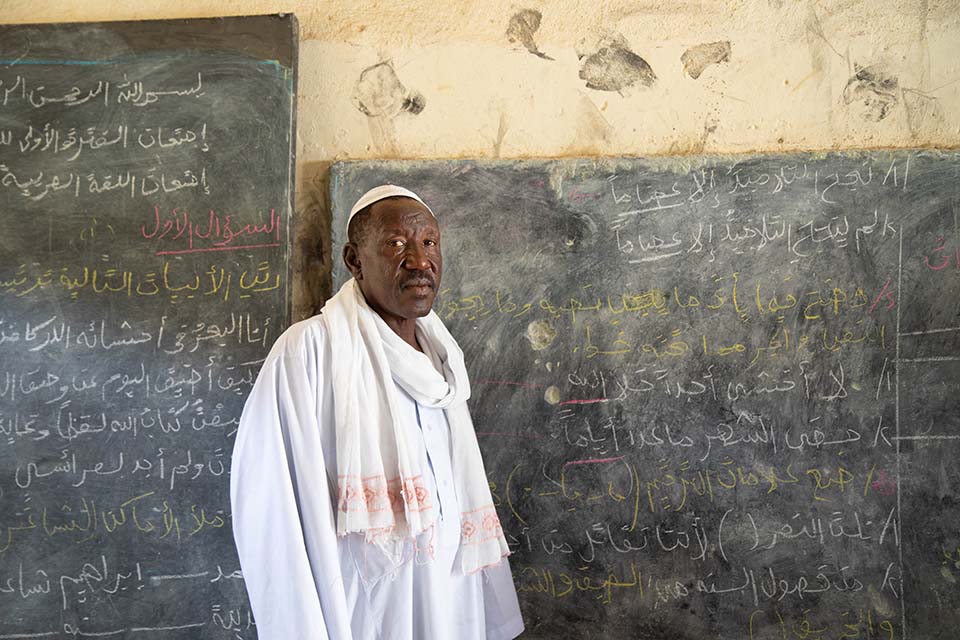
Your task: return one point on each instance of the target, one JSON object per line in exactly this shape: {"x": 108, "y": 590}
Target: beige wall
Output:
{"x": 406, "y": 79}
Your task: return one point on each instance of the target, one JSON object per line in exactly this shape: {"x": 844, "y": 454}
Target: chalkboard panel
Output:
{"x": 717, "y": 397}
{"x": 145, "y": 201}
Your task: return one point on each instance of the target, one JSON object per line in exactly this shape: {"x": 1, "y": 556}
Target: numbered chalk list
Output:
{"x": 145, "y": 189}
{"x": 717, "y": 397}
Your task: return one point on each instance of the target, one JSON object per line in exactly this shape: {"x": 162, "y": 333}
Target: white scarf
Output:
{"x": 380, "y": 483}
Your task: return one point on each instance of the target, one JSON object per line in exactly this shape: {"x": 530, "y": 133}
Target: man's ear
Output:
{"x": 351, "y": 258}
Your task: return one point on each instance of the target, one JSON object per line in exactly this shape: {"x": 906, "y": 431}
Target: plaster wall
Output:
{"x": 502, "y": 79}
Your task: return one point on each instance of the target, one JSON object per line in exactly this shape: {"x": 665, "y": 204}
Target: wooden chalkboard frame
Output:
{"x": 537, "y": 251}
{"x": 144, "y": 294}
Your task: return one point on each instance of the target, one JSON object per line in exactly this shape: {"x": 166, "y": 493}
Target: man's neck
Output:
{"x": 406, "y": 329}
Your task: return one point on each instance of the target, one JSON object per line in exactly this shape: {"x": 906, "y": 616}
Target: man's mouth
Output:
{"x": 421, "y": 286}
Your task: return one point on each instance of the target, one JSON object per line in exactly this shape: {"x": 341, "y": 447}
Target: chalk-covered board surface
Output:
{"x": 145, "y": 190}
{"x": 717, "y": 397}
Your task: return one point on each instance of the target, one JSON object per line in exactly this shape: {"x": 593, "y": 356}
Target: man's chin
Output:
{"x": 420, "y": 305}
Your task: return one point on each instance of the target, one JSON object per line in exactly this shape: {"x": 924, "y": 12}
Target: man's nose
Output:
{"x": 416, "y": 258}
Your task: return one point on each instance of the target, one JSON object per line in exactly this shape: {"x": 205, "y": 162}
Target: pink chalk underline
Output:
{"x": 587, "y": 401}
{"x": 508, "y": 383}
{"x": 207, "y": 249}
{"x": 593, "y": 460}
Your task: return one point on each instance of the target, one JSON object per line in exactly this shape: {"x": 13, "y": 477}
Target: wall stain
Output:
{"x": 696, "y": 59}
{"x": 694, "y": 145}
{"x": 815, "y": 28}
{"x": 614, "y": 67}
{"x": 521, "y": 28}
{"x": 593, "y": 132}
{"x": 924, "y": 114}
{"x": 312, "y": 254}
{"x": 820, "y": 49}
{"x": 873, "y": 89}
{"x": 924, "y": 45}
{"x": 381, "y": 96}
{"x": 502, "y": 127}
{"x": 815, "y": 43}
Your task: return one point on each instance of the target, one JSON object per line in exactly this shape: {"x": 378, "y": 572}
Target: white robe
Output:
{"x": 303, "y": 581}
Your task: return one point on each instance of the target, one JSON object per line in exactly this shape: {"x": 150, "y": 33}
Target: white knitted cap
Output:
{"x": 379, "y": 193}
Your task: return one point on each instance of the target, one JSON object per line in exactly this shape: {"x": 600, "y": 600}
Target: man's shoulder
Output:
{"x": 301, "y": 339}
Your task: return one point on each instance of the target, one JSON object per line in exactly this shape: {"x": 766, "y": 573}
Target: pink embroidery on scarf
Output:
{"x": 487, "y": 566}
{"x": 375, "y": 494}
{"x": 480, "y": 525}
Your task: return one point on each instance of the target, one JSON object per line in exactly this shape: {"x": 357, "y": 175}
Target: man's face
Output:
{"x": 399, "y": 259}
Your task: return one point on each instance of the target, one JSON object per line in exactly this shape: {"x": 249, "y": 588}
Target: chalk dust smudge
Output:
{"x": 614, "y": 67}
{"x": 874, "y": 90}
{"x": 521, "y": 28}
{"x": 541, "y": 334}
{"x": 552, "y": 395}
{"x": 880, "y": 604}
{"x": 696, "y": 59}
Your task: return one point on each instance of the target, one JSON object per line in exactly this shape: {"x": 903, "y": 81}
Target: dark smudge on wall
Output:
{"x": 696, "y": 59}
{"x": 381, "y": 96}
{"x": 379, "y": 92}
{"x": 874, "y": 90}
{"x": 521, "y": 28}
{"x": 614, "y": 67}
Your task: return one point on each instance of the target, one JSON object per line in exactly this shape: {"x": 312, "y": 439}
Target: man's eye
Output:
{"x": 396, "y": 243}
{"x": 430, "y": 243}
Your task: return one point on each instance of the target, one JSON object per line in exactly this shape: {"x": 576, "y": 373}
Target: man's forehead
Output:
{"x": 402, "y": 212}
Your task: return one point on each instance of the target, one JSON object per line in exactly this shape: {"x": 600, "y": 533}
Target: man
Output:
{"x": 361, "y": 508}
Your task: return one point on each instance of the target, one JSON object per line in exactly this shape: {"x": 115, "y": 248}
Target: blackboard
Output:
{"x": 718, "y": 397}
{"x": 145, "y": 200}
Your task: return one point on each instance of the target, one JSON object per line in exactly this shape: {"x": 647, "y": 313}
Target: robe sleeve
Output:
{"x": 283, "y": 519}
{"x": 500, "y": 606}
